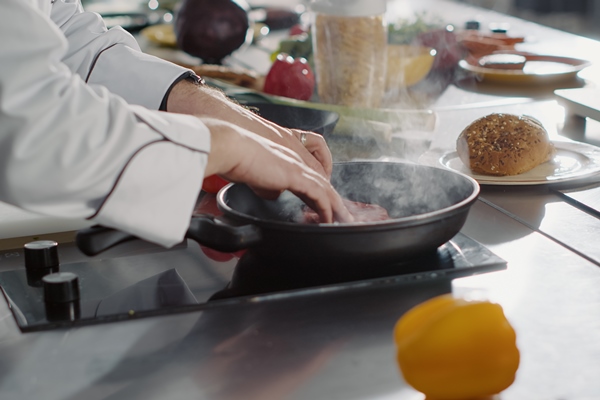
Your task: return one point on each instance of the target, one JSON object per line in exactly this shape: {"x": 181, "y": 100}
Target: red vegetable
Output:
{"x": 213, "y": 183}
{"x": 290, "y": 77}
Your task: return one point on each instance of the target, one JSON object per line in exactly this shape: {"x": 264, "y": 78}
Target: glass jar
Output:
{"x": 350, "y": 51}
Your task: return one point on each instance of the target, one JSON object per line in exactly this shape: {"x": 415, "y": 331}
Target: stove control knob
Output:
{"x": 41, "y": 254}
{"x": 61, "y": 287}
{"x": 41, "y": 258}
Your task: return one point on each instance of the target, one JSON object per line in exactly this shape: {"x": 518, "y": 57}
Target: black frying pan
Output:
{"x": 427, "y": 206}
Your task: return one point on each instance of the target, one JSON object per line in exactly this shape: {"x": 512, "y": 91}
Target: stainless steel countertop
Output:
{"x": 338, "y": 344}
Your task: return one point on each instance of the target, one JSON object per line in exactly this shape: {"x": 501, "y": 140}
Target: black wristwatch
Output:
{"x": 192, "y": 77}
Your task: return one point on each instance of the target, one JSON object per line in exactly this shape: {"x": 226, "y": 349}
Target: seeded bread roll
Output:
{"x": 504, "y": 144}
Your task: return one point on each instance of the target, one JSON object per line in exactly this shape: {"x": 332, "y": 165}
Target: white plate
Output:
{"x": 538, "y": 70}
{"x": 573, "y": 160}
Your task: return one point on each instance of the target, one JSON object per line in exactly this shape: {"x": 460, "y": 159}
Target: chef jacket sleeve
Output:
{"x": 112, "y": 58}
{"x": 72, "y": 150}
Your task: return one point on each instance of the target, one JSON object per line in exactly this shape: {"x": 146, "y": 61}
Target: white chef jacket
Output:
{"x": 80, "y": 134}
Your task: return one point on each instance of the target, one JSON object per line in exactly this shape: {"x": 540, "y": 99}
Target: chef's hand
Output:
{"x": 268, "y": 168}
{"x": 203, "y": 101}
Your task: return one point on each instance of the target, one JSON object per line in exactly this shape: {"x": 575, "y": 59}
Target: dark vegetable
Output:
{"x": 280, "y": 18}
{"x": 212, "y": 29}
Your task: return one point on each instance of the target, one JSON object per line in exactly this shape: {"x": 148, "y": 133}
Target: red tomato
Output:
{"x": 213, "y": 183}
{"x": 290, "y": 77}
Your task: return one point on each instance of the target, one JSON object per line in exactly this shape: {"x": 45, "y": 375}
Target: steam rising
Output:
{"x": 404, "y": 190}
{"x": 403, "y": 129}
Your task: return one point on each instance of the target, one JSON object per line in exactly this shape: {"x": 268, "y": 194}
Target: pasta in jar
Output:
{"x": 350, "y": 56}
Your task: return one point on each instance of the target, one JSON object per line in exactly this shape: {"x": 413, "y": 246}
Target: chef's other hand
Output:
{"x": 204, "y": 101}
{"x": 239, "y": 155}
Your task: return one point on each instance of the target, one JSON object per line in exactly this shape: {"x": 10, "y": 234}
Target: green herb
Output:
{"x": 405, "y": 31}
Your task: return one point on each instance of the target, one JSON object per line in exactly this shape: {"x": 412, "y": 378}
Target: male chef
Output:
{"x": 83, "y": 132}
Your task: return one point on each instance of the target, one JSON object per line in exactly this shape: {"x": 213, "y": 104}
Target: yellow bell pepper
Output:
{"x": 451, "y": 348}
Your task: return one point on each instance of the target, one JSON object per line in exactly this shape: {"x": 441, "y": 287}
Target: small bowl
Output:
{"x": 161, "y": 35}
{"x": 308, "y": 119}
{"x": 407, "y": 65}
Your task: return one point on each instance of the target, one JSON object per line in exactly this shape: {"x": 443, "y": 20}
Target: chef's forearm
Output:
{"x": 204, "y": 101}
{"x": 188, "y": 98}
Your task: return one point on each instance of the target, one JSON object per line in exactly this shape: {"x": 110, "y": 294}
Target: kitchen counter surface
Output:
{"x": 18, "y": 227}
{"x": 337, "y": 344}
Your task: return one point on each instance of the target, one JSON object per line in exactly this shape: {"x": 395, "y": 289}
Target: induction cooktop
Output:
{"x": 150, "y": 282}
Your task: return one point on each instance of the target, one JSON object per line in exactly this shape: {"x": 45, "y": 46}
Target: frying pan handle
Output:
{"x": 96, "y": 239}
{"x": 219, "y": 235}
{"x": 207, "y": 230}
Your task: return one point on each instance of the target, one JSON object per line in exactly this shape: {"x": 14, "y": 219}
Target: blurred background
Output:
{"x": 581, "y": 17}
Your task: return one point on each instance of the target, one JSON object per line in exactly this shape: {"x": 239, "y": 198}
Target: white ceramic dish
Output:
{"x": 573, "y": 161}
{"x": 538, "y": 70}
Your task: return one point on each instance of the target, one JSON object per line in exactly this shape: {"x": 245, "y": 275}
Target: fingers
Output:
{"x": 310, "y": 159}
{"x": 319, "y": 194}
{"x": 314, "y": 153}
{"x": 269, "y": 168}
{"x": 317, "y": 149}
{"x": 309, "y": 185}
{"x": 333, "y": 211}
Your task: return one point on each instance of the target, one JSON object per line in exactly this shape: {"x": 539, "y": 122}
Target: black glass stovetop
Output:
{"x": 191, "y": 277}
